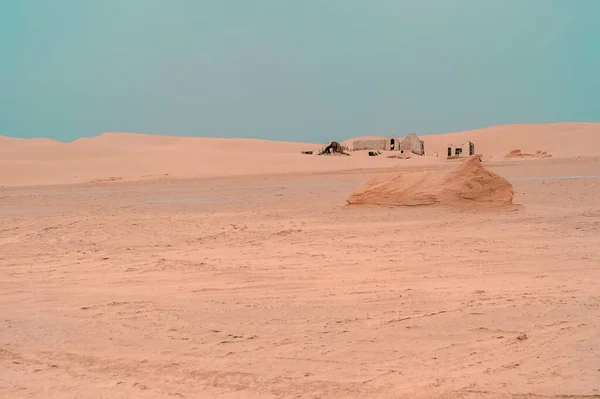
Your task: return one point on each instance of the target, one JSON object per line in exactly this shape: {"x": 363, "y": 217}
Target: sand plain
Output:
{"x": 139, "y": 278}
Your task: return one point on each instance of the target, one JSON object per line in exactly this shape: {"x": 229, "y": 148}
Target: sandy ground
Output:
{"x": 133, "y": 157}
{"x": 270, "y": 286}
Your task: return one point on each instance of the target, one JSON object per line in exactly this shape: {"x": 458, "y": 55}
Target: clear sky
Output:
{"x": 301, "y": 70}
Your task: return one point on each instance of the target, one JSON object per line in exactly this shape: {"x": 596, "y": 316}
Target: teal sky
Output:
{"x": 303, "y": 70}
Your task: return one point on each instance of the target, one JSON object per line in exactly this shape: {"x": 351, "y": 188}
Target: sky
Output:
{"x": 304, "y": 70}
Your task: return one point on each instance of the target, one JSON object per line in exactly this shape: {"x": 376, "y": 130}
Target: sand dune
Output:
{"x": 469, "y": 185}
{"x": 135, "y": 156}
{"x": 559, "y": 139}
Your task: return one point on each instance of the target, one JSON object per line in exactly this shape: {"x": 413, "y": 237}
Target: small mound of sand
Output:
{"x": 519, "y": 154}
{"x": 469, "y": 184}
{"x": 402, "y": 155}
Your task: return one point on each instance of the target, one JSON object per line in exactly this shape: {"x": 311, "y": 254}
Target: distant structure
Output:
{"x": 334, "y": 148}
{"x": 413, "y": 144}
{"x": 392, "y": 143}
{"x": 464, "y": 151}
{"x": 372, "y": 145}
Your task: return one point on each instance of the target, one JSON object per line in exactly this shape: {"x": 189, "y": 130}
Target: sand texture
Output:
{"x": 257, "y": 280}
{"x": 468, "y": 185}
{"x": 131, "y": 157}
{"x": 519, "y": 154}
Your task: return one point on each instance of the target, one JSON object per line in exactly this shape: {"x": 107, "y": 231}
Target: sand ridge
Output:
{"x": 519, "y": 154}
{"x": 468, "y": 185}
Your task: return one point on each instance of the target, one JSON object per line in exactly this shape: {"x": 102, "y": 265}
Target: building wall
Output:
{"x": 388, "y": 143}
{"x": 464, "y": 148}
{"x": 375, "y": 145}
{"x": 451, "y": 151}
{"x": 413, "y": 144}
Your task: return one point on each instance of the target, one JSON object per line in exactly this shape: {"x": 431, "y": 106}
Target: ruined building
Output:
{"x": 392, "y": 143}
{"x": 413, "y": 144}
{"x": 464, "y": 151}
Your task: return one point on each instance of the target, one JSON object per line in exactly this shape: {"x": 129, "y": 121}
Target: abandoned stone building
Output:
{"x": 372, "y": 145}
{"x": 413, "y": 144}
{"x": 391, "y": 143}
{"x": 464, "y": 151}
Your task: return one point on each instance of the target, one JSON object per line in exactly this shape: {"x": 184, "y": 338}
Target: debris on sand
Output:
{"x": 522, "y": 337}
{"x": 467, "y": 185}
{"x": 403, "y": 155}
{"x": 334, "y": 148}
{"x": 374, "y": 153}
{"x": 518, "y": 154}
{"x": 307, "y": 152}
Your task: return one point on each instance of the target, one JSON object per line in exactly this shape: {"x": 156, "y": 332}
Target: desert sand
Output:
{"x": 469, "y": 185}
{"x": 131, "y": 157}
{"x": 138, "y": 266}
